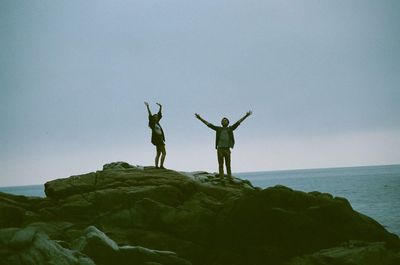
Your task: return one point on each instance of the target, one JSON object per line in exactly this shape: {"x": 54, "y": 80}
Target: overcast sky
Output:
{"x": 322, "y": 78}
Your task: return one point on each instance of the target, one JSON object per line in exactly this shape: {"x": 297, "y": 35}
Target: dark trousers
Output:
{"x": 224, "y": 153}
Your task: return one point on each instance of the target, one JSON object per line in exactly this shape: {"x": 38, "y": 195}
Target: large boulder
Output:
{"x": 104, "y": 250}
{"x": 277, "y": 223}
{"x": 354, "y": 253}
{"x": 30, "y": 246}
{"x": 16, "y": 210}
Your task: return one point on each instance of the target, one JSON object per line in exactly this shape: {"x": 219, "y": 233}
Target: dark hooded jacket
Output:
{"x": 218, "y": 130}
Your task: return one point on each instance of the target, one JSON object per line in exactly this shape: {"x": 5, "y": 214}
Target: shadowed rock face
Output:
{"x": 169, "y": 217}
{"x": 352, "y": 252}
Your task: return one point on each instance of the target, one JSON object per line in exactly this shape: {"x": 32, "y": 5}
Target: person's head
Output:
{"x": 156, "y": 118}
{"x": 224, "y": 122}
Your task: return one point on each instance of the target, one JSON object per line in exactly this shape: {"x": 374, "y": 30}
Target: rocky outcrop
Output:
{"x": 105, "y": 251}
{"x": 352, "y": 252}
{"x": 142, "y": 214}
{"x": 30, "y": 246}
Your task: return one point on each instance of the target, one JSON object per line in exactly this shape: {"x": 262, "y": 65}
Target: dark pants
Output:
{"x": 224, "y": 154}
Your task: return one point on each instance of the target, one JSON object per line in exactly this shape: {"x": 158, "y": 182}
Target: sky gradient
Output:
{"x": 322, "y": 78}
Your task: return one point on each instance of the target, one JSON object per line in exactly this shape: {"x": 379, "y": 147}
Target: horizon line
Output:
{"x": 316, "y": 168}
{"x": 258, "y": 171}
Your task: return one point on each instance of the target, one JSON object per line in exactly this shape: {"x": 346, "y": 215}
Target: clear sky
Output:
{"x": 322, "y": 78}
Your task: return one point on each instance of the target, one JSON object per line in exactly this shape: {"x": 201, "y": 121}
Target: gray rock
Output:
{"x": 23, "y": 238}
{"x": 104, "y": 250}
{"x": 351, "y": 253}
{"x": 147, "y": 256}
{"x": 30, "y": 246}
{"x": 96, "y": 244}
{"x": 120, "y": 166}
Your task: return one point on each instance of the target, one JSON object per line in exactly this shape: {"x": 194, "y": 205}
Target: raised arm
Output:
{"x": 201, "y": 119}
{"x": 159, "y": 106}
{"x": 212, "y": 126}
{"x": 148, "y": 108}
{"x": 234, "y": 126}
{"x": 159, "y": 111}
{"x": 245, "y": 116}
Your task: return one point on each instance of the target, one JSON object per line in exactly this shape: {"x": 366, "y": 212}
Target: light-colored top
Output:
{"x": 157, "y": 129}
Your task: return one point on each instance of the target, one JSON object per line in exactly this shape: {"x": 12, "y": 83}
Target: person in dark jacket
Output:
{"x": 224, "y": 141}
{"x": 157, "y": 135}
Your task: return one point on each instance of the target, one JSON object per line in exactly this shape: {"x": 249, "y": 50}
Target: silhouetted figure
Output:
{"x": 157, "y": 135}
{"x": 224, "y": 141}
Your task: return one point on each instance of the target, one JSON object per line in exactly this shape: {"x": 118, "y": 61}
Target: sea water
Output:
{"x": 371, "y": 190}
{"x": 29, "y": 190}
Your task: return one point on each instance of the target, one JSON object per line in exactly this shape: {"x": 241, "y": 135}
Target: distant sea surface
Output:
{"x": 371, "y": 190}
{"x": 31, "y": 190}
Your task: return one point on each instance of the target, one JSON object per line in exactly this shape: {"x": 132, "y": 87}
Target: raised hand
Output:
{"x": 159, "y": 104}
{"x": 197, "y": 116}
{"x": 148, "y": 108}
{"x": 245, "y": 116}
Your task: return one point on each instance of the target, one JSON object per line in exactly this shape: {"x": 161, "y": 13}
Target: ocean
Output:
{"x": 29, "y": 190}
{"x": 371, "y": 190}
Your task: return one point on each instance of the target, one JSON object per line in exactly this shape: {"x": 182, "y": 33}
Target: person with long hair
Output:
{"x": 157, "y": 135}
